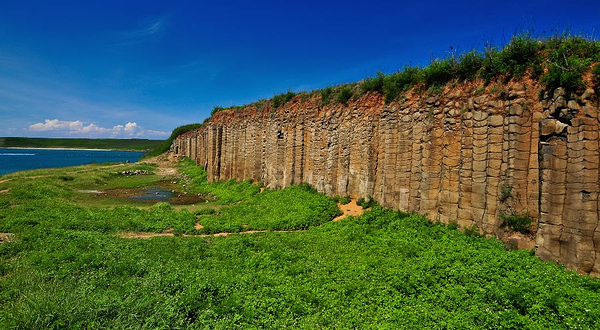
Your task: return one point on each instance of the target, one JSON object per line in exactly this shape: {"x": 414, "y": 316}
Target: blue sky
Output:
{"x": 141, "y": 68}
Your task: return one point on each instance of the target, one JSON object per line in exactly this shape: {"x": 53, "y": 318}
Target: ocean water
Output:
{"x": 12, "y": 160}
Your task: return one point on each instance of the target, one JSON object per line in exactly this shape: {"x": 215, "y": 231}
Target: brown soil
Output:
{"x": 198, "y": 226}
{"x": 350, "y": 209}
{"x": 145, "y": 235}
{"x": 165, "y": 164}
{"x": 139, "y": 234}
{"x": 6, "y": 237}
{"x": 4, "y": 191}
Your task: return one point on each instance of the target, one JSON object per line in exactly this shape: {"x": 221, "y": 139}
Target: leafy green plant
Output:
{"x": 479, "y": 90}
{"x": 366, "y": 203}
{"x": 439, "y": 72}
{"x": 399, "y": 82}
{"x": 435, "y": 90}
{"x": 281, "y": 99}
{"x": 469, "y": 65}
{"x": 472, "y": 230}
{"x": 205, "y": 211}
{"x": 344, "y": 200}
{"x": 373, "y": 84}
{"x": 569, "y": 57}
{"x": 496, "y": 89}
{"x": 505, "y": 192}
{"x": 216, "y": 109}
{"x": 304, "y": 96}
{"x": 517, "y": 222}
{"x": 344, "y": 95}
{"x": 326, "y": 94}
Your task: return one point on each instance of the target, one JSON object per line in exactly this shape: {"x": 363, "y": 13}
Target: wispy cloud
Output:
{"x": 152, "y": 28}
{"x": 141, "y": 34}
{"x": 80, "y": 129}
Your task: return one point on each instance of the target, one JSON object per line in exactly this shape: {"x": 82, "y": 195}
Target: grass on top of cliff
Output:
{"x": 559, "y": 60}
{"x": 65, "y": 267}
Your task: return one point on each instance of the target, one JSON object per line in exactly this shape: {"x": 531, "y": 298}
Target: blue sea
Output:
{"x": 12, "y": 160}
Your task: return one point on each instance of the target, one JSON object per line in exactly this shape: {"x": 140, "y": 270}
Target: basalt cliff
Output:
{"x": 468, "y": 154}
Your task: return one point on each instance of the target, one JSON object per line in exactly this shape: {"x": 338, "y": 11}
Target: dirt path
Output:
{"x": 6, "y": 237}
{"x": 350, "y": 209}
{"x": 165, "y": 164}
{"x": 146, "y": 235}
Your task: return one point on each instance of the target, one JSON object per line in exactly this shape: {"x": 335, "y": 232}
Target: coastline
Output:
{"x": 63, "y": 148}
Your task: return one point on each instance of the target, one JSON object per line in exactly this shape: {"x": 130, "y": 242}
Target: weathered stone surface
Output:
{"x": 449, "y": 157}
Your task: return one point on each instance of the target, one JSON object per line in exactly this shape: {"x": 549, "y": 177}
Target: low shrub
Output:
{"x": 345, "y": 200}
{"x": 472, "y": 230}
{"x": 505, "y": 193}
{"x": 366, "y": 203}
{"x": 399, "y": 82}
{"x": 439, "y": 72}
{"x": 281, "y": 99}
{"x": 373, "y": 84}
{"x": 344, "y": 95}
{"x": 326, "y": 94}
{"x": 216, "y": 109}
{"x": 468, "y": 65}
{"x": 517, "y": 222}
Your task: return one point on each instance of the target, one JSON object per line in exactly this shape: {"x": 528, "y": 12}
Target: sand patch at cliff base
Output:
{"x": 350, "y": 209}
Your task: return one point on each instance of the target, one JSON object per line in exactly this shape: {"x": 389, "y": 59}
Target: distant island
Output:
{"x": 114, "y": 144}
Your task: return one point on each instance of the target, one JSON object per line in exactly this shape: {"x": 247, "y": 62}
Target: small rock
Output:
{"x": 560, "y": 102}
{"x": 590, "y": 111}
{"x": 559, "y": 92}
{"x": 515, "y": 109}
{"x": 588, "y": 94}
{"x": 560, "y": 127}
{"x": 572, "y": 105}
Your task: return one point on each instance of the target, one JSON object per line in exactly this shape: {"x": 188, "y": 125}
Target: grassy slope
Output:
{"x": 384, "y": 269}
{"x": 119, "y": 144}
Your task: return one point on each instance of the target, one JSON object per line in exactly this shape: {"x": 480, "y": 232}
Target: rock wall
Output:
{"x": 467, "y": 155}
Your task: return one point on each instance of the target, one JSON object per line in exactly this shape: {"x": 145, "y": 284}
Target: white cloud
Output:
{"x": 79, "y": 129}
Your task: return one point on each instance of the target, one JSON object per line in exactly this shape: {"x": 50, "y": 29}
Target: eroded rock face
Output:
{"x": 455, "y": 157}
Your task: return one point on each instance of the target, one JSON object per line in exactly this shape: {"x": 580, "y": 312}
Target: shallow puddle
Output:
{"x": 153, "y": 194}
{"x": 165, "y": 191}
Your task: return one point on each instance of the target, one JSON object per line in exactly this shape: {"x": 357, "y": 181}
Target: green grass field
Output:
{"x": 67, "y": 267}
{"x": 118, "y": 144}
